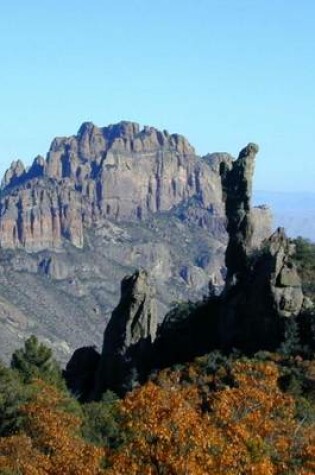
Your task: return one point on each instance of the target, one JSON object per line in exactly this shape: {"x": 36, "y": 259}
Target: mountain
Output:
{"x": 101, "y": 204}
{"x": 295, "y": 211}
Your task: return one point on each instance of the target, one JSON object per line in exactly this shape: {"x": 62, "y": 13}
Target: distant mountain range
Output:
{"x": 293, "y": 210}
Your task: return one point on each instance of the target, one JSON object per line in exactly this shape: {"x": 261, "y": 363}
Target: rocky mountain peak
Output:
{"x": 123, "y": 130}
{"x": 250, "y": 150}
{"x": 13, "y": 174}
{"x": 119, "y": 172}
{"x": 86, "y": 128}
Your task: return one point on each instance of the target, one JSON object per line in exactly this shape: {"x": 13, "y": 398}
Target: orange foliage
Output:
{"x": 174, "y": 426}
{"x": 50, "y": 444}
{"x": 248, "y": 428}
{"x": 167, "y": 434}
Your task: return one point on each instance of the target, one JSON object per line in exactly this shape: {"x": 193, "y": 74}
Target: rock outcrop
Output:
{"x": 237, "y": 184}
{"x": 262, "y": 291}
{"x": 262, "y": 286}
{"x": 254, "y": 312}
{"x": 129, "y": 336}
{"x": 40, "y": 216}
{"x": 285, "y": 283}
{"x": 117, "y": 172}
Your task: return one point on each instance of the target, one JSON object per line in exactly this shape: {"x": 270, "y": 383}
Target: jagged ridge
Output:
{"x": 118, "y": 172}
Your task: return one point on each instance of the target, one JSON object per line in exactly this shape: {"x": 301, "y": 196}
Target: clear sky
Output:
{"x": 221, "y": 72}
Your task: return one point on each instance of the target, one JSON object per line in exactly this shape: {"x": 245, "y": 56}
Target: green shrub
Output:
{"x": 13, "y": 394}
{"x": 35, "y": 360}
{"x": 101, "y": 421}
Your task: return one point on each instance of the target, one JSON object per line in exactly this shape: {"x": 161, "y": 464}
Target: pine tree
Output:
{"x": 35, "y": 360}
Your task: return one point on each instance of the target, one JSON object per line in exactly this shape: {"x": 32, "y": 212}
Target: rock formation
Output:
{"x": 261, "y": 287}
{"x": 39, "y": 216}
{"x": 101, "y": 204}
{"x": 285, "y": 283}
{"x": 254, "y": 312}
{"x": 129, "y": 336}
{"x": 237, "y": 185}
{"x": 118, "y": 172}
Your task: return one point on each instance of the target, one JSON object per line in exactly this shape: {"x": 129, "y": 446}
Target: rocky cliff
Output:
{"x": 237, "y": 184}
{"x": 117, "y": 172}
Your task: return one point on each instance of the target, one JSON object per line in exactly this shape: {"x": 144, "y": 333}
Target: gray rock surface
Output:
{"x": 129, "y": 335}
{"x": 237, "y": 184}
{"x": 66, "y": 295}
{"x": 262, "y": 286}
{"x": 118, "y": 172}
{"x": 285, "y": 283}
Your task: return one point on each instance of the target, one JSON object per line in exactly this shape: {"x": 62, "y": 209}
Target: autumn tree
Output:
{"x": 234, "y": 421}
{"x": 50, "y": 443}
{"x": 166, "y": 434}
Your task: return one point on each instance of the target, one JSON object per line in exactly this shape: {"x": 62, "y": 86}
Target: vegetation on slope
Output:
{"x": 215, "y": 415}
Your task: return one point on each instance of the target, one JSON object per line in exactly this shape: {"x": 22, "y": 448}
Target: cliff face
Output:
{"x": 118, "y": 172}
{"x": 39, "y": 214}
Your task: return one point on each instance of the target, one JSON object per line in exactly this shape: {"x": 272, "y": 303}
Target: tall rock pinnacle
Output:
{"x": 237, "y": 186}
{"x": 129, "y": 335}
{"x": 263, "y": 287}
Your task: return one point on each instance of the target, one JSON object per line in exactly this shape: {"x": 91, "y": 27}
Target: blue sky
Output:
{"x": 221, "y": 72}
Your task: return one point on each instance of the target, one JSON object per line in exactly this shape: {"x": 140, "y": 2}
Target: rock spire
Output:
{"x": 129, "y": 335}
